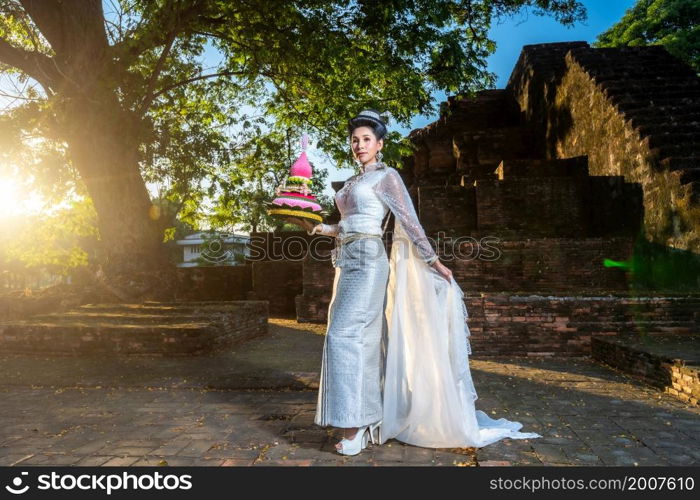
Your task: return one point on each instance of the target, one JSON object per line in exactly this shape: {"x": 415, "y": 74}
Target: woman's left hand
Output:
{"x": 443, "y": 270}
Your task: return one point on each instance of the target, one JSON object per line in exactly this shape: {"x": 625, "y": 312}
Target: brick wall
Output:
{"x": 279, "y": 283}
{"x": 537, "y": 207}
{"x": 549, "y": 265}
{"x": 450, "y": 209}
{"x": 312, "y": 305}
{"x": 630, "y": 110}
{"x": 214, "y": 283}
{"x": 277, "y": 266}
{"x": 538, "y": 325}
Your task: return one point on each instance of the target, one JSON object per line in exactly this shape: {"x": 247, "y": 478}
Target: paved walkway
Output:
{"x": 255, "y": 406}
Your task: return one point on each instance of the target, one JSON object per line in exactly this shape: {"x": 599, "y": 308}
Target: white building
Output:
{"x": 214, "y": 249}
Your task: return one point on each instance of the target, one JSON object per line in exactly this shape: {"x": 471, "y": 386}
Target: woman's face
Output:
{"x": 365, "y": 145}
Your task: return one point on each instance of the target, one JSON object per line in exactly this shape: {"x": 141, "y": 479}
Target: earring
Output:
{"x": 379, "y": 156}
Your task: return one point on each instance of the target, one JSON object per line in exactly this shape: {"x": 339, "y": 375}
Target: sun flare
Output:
{"x": 14, "y": 201}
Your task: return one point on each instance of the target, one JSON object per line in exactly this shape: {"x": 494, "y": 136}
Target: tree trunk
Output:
{"x": 103, "y": 137}
{"x": 103, "y": 142}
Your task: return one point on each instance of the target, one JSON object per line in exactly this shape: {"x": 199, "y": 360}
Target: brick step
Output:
{"x": 689, "y": 149}
{"x": 493, "y": 116}
{"x": 627, "y": 103}
{"x": 157, "y": 308}
{"x": 680, "y": 138}
{"x": 153, "y": 328}
{"x": 658, "y": 80}
{"x": 154, "y": 304}
{"x": 651, "y": 98}
{"x": 77, "y": 328}
{"x": 75, "y": 339}
{"x": 103, "y": 318}
{"x": 637, "y": 69}
{"x": 641, "y": 118}
{"x": 663, "y": 113}
{"x": 626, "y": 74}
{"x": 524, "y": 298}
{"x": 493, "y": 137}
{"x": 629, "y": 57}
{"x": 650, "y": 326}
{"x": 480, "y": 348}
{"x": 652, "y": 87}
{"x": 545, "y": 57}
{"x": 679, "y": 108}
{"x": 670, "y": 363}
{"x": 584, "y": 328}
{"x": 544, "y": 316}
{"x": 667, "y": 348}
{"x": 689, "y": 164}
{"x": 484, "y": 98}
{"x": 682, "y": 121}
{"x": 661, "y": 129}
{"x": 559, "y": 167}
{"x": 645, "y": 118}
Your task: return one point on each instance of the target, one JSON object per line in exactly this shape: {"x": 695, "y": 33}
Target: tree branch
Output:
{"x": 46, "y": 16}
{"x": 190, "y": 80}
{"x": 34, "y": 64}
{"x": 148, "y": 94}
{"x": 156, "y": 31}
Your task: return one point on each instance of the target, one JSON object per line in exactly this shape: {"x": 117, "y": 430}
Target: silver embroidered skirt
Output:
{"x": 350, "y": 390}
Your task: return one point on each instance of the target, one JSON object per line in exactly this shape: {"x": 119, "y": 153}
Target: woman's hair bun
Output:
{"x": 369, "y": 118}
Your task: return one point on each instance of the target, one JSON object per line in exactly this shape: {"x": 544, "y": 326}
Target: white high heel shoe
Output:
{"x": 375, "y": 428}
{"x": 355, "y": 445}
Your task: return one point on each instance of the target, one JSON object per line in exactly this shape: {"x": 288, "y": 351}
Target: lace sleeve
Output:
{"x": 392, "y": 190}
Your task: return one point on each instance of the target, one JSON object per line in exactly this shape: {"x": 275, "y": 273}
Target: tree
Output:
{"x": 57, "y": 243}
{"x": 675, "y": 24}
{"x": 122, "y": 92}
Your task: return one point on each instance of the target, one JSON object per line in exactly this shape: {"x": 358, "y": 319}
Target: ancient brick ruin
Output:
{"x": 634, "y": 111}
{"x": 582, "y": 152}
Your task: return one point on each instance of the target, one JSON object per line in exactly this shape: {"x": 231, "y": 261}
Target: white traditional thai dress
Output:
{"x": 396, "y": 346}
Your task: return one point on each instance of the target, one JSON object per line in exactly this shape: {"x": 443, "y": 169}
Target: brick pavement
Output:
{"x": 256, "y": 407}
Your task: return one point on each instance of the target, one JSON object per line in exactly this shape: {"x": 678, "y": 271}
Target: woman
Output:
{"x": 383, "y": 313}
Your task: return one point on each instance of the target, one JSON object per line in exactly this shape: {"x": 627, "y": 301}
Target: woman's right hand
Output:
{"x": 442, "y": 269}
